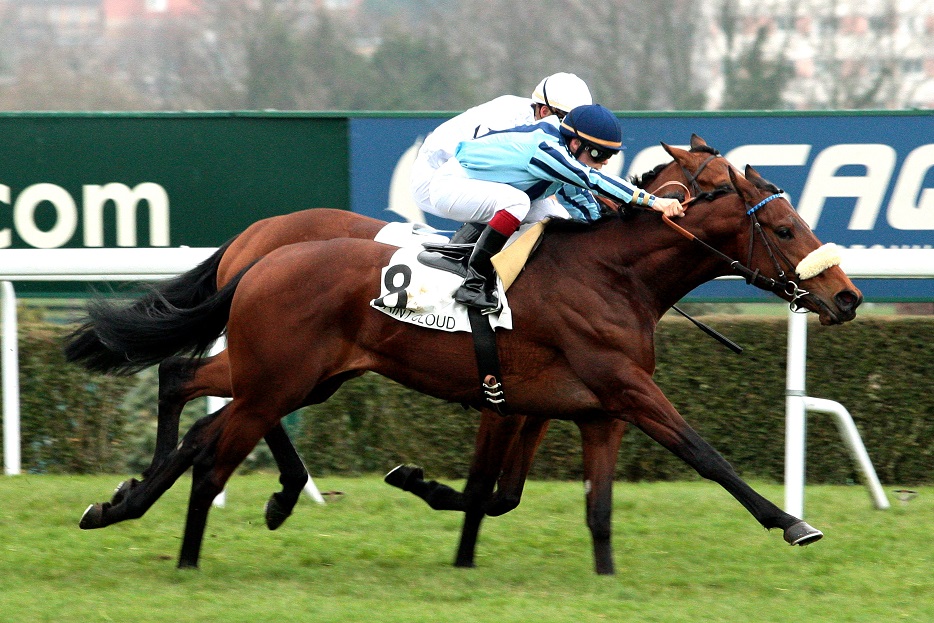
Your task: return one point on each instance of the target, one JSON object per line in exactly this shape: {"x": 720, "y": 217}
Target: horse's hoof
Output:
{"x": 802, "y": 534}
{"x": 92, "y": 518}
{"x": 276, "y": 514}
{"x": 403, "y": 475}
{"x": 500, "y": 505}
{"x": 122, "y": 490}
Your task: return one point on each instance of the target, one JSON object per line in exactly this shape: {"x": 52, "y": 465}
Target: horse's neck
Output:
{"x": 642, "y": 254}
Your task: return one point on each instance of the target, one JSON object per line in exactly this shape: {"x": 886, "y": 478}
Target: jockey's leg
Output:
{"x": 479, "y": 288}
{"x": 468, "y": 233}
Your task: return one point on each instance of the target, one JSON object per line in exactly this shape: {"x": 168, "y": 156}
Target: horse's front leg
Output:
{"x": 493, "y": 439}
{"x": 647, "y": 408}
{"x": 601, "y": 439}
{"x": 495, "y": 442}
{"x": 516, "y": 467}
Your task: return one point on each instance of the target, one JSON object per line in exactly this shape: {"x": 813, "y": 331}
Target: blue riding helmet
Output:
{"x": 597, "y": 128}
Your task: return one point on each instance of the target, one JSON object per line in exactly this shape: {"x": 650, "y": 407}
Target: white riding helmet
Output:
{"x": 562, "y": 91}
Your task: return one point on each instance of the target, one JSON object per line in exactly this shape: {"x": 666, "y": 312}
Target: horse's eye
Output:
{"x": 784, "y": 233}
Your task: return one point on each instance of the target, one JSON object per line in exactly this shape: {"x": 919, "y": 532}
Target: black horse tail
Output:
{"x": 170, "y": 319}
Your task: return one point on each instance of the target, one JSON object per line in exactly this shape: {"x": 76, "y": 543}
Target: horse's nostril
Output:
{"x": 847, "y": 300}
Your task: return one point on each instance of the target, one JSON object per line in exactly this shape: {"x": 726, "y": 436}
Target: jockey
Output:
{"x": 556, "y": 94}
{"x": 500, "y": 179}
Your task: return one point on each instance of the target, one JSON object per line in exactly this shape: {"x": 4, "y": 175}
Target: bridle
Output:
{"x": 691, "y": 177}
{"x": 783, "y": 284}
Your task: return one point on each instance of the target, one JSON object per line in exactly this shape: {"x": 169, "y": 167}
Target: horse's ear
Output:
{"x": 674, "y": 152}
{"x": 697, "y": 141}
{"x": 753, "y": 176}
{"x": 745, "y": 189}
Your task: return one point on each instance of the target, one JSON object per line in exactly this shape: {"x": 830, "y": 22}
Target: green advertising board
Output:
{"x": 161, "y": 179}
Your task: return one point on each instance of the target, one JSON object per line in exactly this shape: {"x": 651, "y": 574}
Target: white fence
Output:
{"x": 78, "y": 265}
{"x": 148, "y": 264}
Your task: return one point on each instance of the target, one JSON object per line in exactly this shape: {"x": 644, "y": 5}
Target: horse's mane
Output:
{"x": 767, "y": 186}
{"x": 649, "y": 176}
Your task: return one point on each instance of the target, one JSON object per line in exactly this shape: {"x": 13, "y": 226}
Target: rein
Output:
{"x": 753, "y": 277}
{"x": 691, "y": 178}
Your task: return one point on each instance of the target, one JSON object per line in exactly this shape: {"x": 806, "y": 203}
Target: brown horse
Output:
{"x": 585, "y": 310}
{"x": 505, "y": 447}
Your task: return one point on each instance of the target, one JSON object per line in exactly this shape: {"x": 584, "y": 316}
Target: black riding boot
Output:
{"x": 479, "y": 288}
{"x": 468, "y": 233}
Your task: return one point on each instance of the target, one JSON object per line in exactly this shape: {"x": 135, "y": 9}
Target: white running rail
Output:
{"x": 129, "y": 264}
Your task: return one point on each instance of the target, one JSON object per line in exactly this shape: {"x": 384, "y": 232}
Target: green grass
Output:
{"x": 684, "y": 552}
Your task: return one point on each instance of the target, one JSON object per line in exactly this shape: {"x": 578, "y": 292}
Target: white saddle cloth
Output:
{"x": 424, "y": 296}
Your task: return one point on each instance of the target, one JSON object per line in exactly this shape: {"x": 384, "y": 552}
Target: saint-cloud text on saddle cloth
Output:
{"x": 424, "y": 296}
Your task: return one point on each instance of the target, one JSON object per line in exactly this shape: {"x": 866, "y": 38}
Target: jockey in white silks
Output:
{"x": 556, "y": 95}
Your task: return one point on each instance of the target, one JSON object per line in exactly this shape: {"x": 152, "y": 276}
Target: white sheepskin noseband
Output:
{"x": 818, "y": 260}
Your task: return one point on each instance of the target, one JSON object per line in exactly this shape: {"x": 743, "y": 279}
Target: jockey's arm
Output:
{"x": 608, "y": 185}
{"x": 580, "y": 204}
{"x": 551, "y": 163}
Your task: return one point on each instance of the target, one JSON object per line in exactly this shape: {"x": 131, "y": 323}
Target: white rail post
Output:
{"x": 797, "y": 404}
{"x": 12, "y": 462}
{"x": 854, "y": 444}
{"x": 794, "y": 414}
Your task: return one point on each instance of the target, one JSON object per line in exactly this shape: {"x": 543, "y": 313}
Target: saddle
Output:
{"x": 508, "y": 263}
{"x": 450, "y": 258}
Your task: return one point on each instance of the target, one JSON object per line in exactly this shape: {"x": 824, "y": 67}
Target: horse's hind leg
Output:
{"x": 437, "y": 495}
{"x": 227, "y": 443}
{"x": 254, "y": 413}
{"x": 134, "y": 502}
{"x": 293, "y": 475}
{"x": 601, "y": 440}
{"x": 181, "y": 380}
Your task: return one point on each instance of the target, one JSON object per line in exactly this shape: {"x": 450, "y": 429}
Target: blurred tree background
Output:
{"x": 438, "y": 54}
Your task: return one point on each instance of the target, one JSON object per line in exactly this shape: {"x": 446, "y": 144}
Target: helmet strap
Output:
{"x": 545, "y": 94}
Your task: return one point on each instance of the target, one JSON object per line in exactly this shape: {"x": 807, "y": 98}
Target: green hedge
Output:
{"x": 70, "y": 420}
{"x": 881, "y": 369}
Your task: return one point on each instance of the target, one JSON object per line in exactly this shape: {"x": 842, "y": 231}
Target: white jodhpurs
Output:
{"x": 420, "y": 179}
{"x": 455, "y": 196}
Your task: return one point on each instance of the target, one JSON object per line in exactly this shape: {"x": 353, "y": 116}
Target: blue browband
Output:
{"x": 762, "y": 203}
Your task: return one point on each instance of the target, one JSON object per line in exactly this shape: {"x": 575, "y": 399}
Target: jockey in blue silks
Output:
{"x": 557, "y": 94}
{"x": 504, "y": 179}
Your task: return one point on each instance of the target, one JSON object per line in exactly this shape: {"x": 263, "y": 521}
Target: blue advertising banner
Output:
{"x": 860, "y": 180}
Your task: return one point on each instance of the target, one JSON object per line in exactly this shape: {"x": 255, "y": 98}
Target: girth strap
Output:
{"x": 484, "y": 343}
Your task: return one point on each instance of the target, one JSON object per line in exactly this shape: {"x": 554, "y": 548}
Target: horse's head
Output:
{"x": 690, "y": 172}
{"x": 787, "y": 258}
